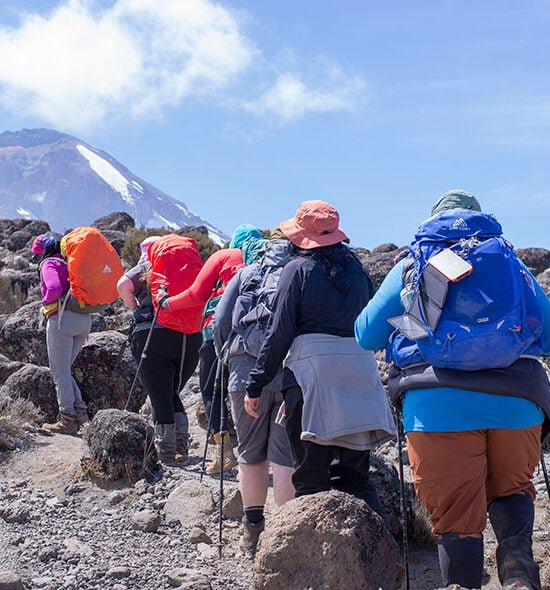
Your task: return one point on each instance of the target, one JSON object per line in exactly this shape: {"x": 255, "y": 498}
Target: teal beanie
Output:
{"x": 242, "y": 233}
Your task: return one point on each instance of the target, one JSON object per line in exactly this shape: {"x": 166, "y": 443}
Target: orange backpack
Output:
{"x": 94, "y": 270}
{"x": 175, "y": 264}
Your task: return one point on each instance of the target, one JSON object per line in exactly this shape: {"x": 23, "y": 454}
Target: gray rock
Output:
{"x": 120, "y": 445}
{"x": 189, "y": 493}
{"x": 183, "y": 575}
{"x": 35, "y": 384}
{"x": 7, "y": 367}
{"x": 118, "y": 573}
{"x": 47, "y": 553}
{"x": 10, "y": 581}
{"x": 326, "y": 541}
{"x": 116, "y": 497}
{"x": 42, "y": 582}
{"x": 117, "y": 221}
{"x": 22, "y": 338}
{"x": 74, "y": 488}
{"x": 233, "y": 504}
{"x": 197, "y": 535}
{"x": 105, "y": 370}
{"x": 16, "y": 512}
{"x": 146, "y": 521}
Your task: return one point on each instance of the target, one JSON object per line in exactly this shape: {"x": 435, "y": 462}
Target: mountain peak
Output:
{"x": 70, "y": 183}
{"x": 31, "y": 137}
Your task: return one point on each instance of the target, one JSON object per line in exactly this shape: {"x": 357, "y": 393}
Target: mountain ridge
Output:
{"x": 47, "y": 174}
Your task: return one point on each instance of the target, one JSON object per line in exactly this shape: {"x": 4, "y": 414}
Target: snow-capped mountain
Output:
{"x": 49, "y": 175}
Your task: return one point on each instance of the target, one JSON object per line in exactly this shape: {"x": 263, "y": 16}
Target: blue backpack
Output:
{"x": 490, "y": 318}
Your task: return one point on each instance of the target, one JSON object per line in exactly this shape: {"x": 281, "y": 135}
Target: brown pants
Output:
{"x": 457, "y": 474}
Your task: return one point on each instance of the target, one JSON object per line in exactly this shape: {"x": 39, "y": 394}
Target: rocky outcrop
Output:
{"x": 35, "y": 384}
{"x": 118, "y": 221}
{"x": 536, "y": 260}
{"x": 7, "y": 368}
{"x": 326, "y": 541}
{"x": 121, "y": 447}
{"x": 105, "y": 370}
{"x": 544, "y": 281}
{"x": 379, "y": 261}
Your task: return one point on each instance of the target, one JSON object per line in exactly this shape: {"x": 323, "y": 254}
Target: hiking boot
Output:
{"x": 82, "y": 416}
{"x": 248, "y": 543}
{"x": 229, "y": 459}
{"x": 182, "y": 437}
{"x": 165, "y": 442}
{"x": 66, "y": 424}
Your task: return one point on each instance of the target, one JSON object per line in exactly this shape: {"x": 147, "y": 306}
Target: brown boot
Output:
{"x": 82, "y": 416}
{"x": 251, "y": 535}
{"x": 229, "y": 459}
{"x": 66, "y": 424}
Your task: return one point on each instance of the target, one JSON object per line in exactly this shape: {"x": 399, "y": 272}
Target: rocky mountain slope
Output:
{"x": 49, "y": 175}
{"x": 63, "y": 526}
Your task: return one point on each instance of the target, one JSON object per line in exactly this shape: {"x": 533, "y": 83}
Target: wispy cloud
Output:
{"x": 84, "y": 64}
{"x": 290, "y": 98}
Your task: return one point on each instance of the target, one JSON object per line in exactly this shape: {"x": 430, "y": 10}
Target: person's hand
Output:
{"x": 162, "y": 298}
{"x": 251, "y": 405}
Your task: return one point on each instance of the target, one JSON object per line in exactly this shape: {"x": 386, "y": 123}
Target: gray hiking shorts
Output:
{"x": 260, "y": 439}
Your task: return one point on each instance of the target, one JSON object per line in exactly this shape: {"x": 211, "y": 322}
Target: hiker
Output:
{"x": 472, "y": 392}
{"x": 261, "y": 442}
{"x": 64, "y": 339}
{"x": 173, "y": 351}
{"x": 206, "y": 292}
{"x": 335, "y": 405}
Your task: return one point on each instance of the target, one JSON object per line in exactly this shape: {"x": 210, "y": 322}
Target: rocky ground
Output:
{"x": 60, "y": 528}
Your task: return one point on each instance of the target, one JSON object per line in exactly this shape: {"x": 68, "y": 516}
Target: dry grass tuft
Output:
{"x": 19, "y": 419}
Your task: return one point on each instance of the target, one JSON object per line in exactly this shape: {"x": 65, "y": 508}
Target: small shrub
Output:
{"x": 11, "y": 297}
{"x": 19, "y": 418}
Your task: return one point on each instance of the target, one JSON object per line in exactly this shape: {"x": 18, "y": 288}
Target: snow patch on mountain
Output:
{"x": 108, "y": 173}
{"x": 24, "y": 213}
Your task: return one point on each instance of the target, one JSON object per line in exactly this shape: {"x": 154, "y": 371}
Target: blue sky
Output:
{"x": 243, "y": 109}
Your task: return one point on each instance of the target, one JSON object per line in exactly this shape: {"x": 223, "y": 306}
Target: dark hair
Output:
{"x": 336, "y": 262}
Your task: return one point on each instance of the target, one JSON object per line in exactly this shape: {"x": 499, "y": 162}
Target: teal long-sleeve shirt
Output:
{"x": 444, "y": 409}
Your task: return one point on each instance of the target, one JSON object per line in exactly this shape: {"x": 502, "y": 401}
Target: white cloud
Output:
{"x": 84, "y": 64}
{"x": 290, "y": 98}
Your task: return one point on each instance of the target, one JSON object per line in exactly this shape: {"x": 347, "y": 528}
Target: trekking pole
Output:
{"x": 223, "y": 427}
{"x": 545, "y": 472}
{"x": 403, "y": 500}
{"x": 146, "y": 347}
{"x": 209, "y": 429}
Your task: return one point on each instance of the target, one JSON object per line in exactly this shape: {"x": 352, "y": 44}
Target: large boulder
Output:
{"x": 379, "y": 262}
{"x": 105, "y": 370}
{"x": 22, "y": 338}
{"x": 35, "y": 384}
{"x": 544, "y": 281}
{"x": 118, "y": 221}
{"x": 326, "y": 541}
{"x": 121, "y": 447}
{"x": 8, "y": 367}
{"x": 536, "y": 260}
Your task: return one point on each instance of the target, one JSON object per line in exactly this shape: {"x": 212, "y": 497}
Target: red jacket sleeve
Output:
{"x": 205, "y": 283}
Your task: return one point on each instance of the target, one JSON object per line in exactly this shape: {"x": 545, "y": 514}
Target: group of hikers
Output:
{"x": 284, "y": 330}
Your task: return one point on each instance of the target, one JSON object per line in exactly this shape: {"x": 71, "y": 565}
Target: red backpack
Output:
{"x": 175, "y": 264}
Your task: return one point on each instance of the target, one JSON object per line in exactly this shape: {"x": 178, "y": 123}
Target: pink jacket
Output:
{"x": 54, "y": 276}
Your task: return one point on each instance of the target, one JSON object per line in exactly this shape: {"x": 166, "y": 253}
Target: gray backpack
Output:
{"x": 254, "y": 304}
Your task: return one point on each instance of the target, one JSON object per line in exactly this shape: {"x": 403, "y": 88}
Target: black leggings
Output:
{"x": 162, "y": 373}
{"x": 207, "y": 382}
{"x": 320, "y": 468}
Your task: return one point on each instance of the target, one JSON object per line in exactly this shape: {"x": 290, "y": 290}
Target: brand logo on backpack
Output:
{"x": 106, "y": 269}
{"x": 460, "y": 224}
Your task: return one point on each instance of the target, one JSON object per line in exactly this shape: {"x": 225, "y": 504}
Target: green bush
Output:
{"x": 11, "y": 298}
{"x": 131, "y": 251}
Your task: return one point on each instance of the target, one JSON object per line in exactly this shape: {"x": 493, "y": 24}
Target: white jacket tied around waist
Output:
{"x": 344, "y": 400}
